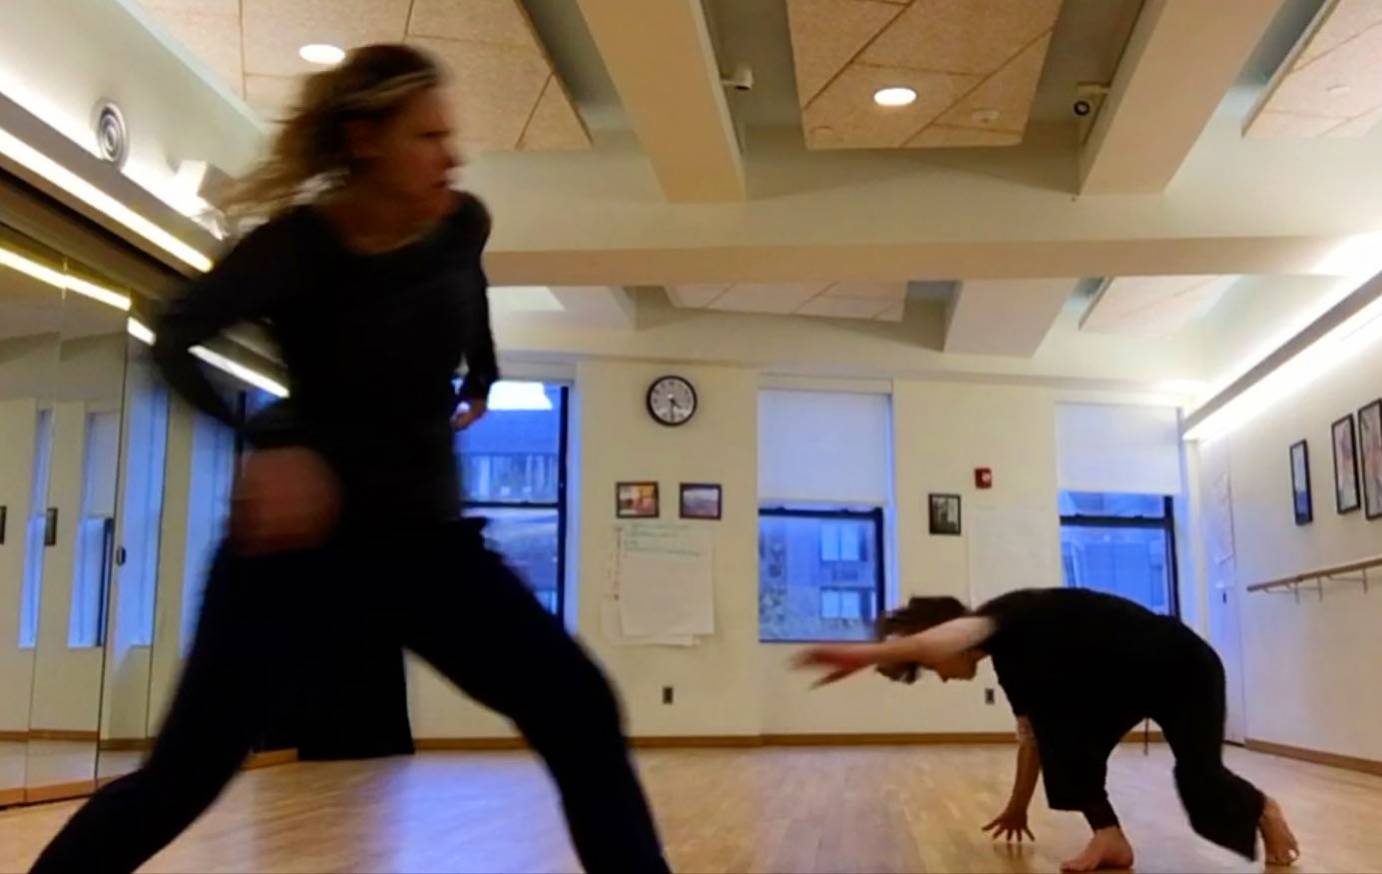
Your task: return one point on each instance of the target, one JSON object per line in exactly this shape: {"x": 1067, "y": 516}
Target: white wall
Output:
{"x": 1309, "y": 667}
{"x": 733, "y": 685}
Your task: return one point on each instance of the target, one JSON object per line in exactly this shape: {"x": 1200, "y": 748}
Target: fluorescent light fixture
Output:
{"x": 56, "y": 278}
{"x": 36, "y": 162}
{"x": 898, "y": 96}
{"x": 1344, "y": 342}
{"x": 510, "y": 395}
{"x": 140, "y": 331}
{"x": 322, "y": 53}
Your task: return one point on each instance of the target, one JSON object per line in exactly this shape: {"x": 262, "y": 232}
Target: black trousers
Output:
{"x": 1188, "y": 702}
{"x": 440, "y": 593}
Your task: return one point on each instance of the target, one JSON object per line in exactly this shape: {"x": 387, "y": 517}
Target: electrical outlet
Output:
{"x": 667, "y": 694}
{"x": 988, "y": 696}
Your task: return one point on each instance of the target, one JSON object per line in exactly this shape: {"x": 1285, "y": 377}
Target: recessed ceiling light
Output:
{"x": 321, "y": 53}
{"x": 894, "y": 96}
{"x": 985, "y": 116}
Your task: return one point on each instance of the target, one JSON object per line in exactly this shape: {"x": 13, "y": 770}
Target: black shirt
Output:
{"x": 1083, "y": 661}
{"x": 371, "y": 344}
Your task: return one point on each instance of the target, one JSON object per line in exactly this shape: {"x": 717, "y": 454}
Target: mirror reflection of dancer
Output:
{"x": 1081, "y": 670}
{"x": 375, "y": 294}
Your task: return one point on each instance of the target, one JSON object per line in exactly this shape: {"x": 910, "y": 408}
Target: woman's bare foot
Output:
{"x": 1109, "y": 848}
{"x": 1279, "y": 844}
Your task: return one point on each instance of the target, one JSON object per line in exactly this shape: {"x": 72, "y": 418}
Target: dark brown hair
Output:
{"x": 371, "y": 84}
{"x": 918, "y": 615}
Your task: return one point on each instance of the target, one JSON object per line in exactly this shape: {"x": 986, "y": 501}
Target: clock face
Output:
{"x": 672, "y": 401}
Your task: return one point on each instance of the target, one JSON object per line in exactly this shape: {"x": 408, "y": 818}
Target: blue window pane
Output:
{"x": 1129, "y": 562}
{"x": 513, "y": 455}
{"x": 818, "y": 577}
{"x": 528, "y": 540}
{"x": 1123, "y": 506}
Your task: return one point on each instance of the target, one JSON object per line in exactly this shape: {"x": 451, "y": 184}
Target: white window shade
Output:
{"x": 1113, "y": 448}
{"x": 824, "y": 447}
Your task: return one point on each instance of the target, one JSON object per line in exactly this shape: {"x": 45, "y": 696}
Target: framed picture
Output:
{"x": 636, "y": 501}
{"x": 1370, "y": 457}
{"x": 700, "y": 501}
{"x": 945, "y": 514}
{"x": 1346, "y": 497}
{"x": 1302, "y": 502}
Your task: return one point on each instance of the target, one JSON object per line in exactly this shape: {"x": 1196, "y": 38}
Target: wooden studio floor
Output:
{"x": 866, "y": 809}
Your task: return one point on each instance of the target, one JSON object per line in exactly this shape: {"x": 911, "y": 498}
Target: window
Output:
{"x": 824, "y": 479}
{"x": 1123, "y": 544}
{"x": 820, "y": 573}
{"x": 35, "y": 541}
{"x": 95, "y": 533}
{"x": 513, "y": 473}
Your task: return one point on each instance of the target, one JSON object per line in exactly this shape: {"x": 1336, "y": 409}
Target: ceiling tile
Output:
{"x": 272, "y": 97}
{"x": 845, "y": 116}
{"x": 938, "y": 135}
{"x": 1359, "y": 126}
{"x": 275, "y": 30}
{"x": 886, "y": 292}
{"x": 1007, "y": 93}
{"x": 495, "y": 91}
{"x": 210, "y": 31}
{"x": 695, "y": 296}
{"x": 1152, "y": 306}
{"x": 1335, "y": 74}
{"x": 780, "y": 299}
{"x": 828, "y": 34}
{"x": 496, "y": 21}
{"x": 843, "y": 307}
{"x": 554, "y": 125}
{"x": 962, "y": 36}
{"x": 1348, "y": 19}
{"x": 1271, "y": 124}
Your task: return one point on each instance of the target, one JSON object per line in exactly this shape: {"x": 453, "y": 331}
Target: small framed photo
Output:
{"x": 1346, "y": 496}
{"x": 1302, "y": 502}
{"x": 1370, "y": 457}
{"x": 945, "y": 514}
{"x": 636, "y": 501}
{"x": 700, "y": 501}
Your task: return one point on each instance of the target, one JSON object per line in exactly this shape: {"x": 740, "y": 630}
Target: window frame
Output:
{"x": 871, "y": 514}
{"x": 1166, "y": 524}
{"x": 560, "y": 505}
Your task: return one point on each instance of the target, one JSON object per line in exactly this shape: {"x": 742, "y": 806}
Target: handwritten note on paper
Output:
{"x": 665, "y": 580}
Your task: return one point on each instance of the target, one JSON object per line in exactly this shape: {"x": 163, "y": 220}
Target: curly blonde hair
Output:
{"x": 311, "y": 148}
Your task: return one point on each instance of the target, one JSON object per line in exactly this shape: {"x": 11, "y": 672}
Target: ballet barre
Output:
{"x": 1354, "y": 572}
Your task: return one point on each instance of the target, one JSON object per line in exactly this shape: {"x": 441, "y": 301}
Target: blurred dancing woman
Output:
{"x": 374, "y": 294}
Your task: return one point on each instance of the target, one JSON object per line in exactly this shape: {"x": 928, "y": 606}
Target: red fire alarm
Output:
{"x": 983, "y": 478}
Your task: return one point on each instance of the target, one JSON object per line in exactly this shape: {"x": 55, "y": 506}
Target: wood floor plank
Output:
{"x": 861, "y": 809}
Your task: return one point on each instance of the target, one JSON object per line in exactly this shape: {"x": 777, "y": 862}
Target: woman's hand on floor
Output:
{"x": 1008, "y": 824}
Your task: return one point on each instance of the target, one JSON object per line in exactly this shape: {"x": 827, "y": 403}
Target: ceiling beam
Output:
{"x": 659, "y": 54}
{"x": 1009, "y": 317}
{"x": 1180, "y": 61}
